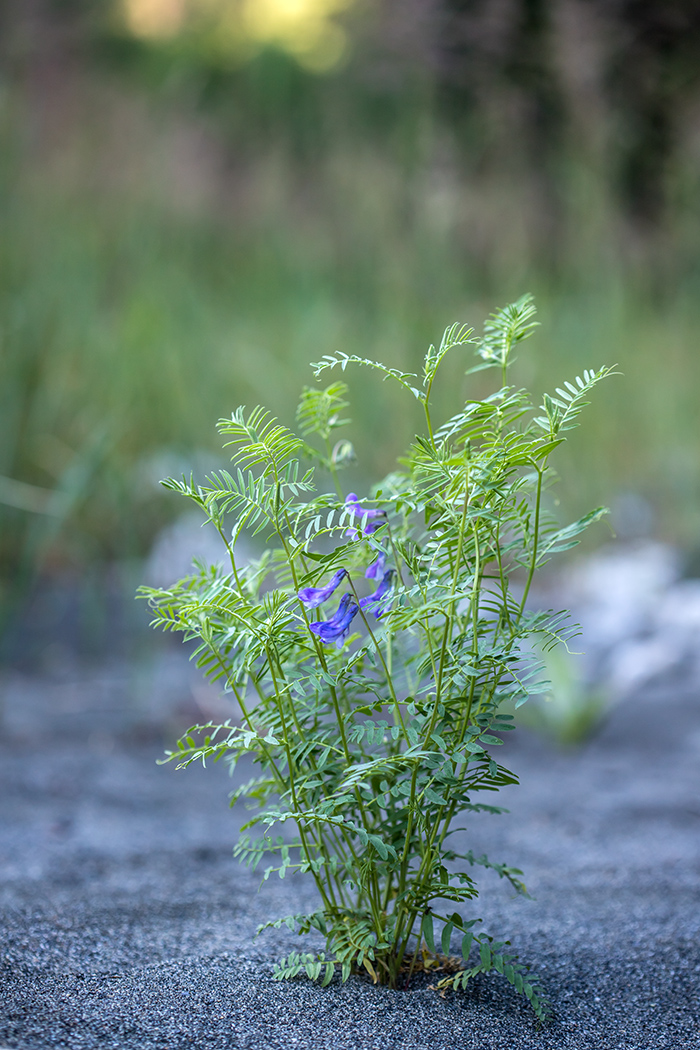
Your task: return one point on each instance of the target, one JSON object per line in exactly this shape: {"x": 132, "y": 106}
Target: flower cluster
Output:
{"x": 337, "y": 628}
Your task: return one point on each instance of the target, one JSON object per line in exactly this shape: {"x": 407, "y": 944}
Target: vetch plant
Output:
{"x": 372, "y": 650}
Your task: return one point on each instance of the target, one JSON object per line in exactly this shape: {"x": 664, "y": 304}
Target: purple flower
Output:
{"x": 358, "y": 511}
{"x": 379, "y": 599}
{"x": 376, "y": 570}
{"x": 312, "y": 597}
{"x": 338, "y": 627}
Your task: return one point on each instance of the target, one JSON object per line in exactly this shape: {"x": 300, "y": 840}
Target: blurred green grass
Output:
{"x": 130, "y": 321}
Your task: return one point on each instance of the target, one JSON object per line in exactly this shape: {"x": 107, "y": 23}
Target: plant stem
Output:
{"x": 390, "y": 684}
{"x": 535, "y": 539}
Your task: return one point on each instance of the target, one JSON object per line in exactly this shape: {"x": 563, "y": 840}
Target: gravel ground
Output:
{"x": 126, "y": 924}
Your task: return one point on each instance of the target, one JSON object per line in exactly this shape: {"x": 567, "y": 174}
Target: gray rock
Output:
{"x": 176, "y": 547}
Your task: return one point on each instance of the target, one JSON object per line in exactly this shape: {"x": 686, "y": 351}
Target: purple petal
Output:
{"x": 366, "y": 513}
{"x": 312, "y": 597}
{"x": 338, "y": 627}
{"x": 379, "y": 598}
{"x": 355, "y": 507}
{"x": 375, "y": 571}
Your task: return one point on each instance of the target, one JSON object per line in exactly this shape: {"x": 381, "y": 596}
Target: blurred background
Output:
{"x": 198, "y": 197}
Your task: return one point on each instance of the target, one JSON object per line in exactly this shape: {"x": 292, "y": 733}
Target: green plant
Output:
{"x": 370, "y": 748}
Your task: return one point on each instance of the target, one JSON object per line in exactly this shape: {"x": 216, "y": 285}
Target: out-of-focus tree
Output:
{"x": 535, "y": 84}
{"x": 652, "y": 75}
{"x": 186, "y": 181}
{"x": 306, "y": 29}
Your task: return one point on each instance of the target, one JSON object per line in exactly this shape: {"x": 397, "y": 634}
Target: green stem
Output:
{"x": 229, "y": 548}
{"x": 476, "y": 589}
{"x": 535, "y": 541}
{"x": 427, "y": 416}
{"x": 403, "y": 870}
{"x": 449, "y": 616}
{"x": 320, "y": 846}
{"x": 397, "y": 560}
{"x": 390, "y": 684}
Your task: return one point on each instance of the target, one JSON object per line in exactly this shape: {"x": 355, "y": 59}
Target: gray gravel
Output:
{"x": 125, "y": 923}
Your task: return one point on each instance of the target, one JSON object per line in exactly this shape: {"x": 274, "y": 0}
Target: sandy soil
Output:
{"x": 125, "y": 923}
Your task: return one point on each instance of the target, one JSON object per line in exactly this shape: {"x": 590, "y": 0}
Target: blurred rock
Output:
{"x": 177, "y": 546}
{"x": 151, "y": 699}
{"x": 640, "y": 620}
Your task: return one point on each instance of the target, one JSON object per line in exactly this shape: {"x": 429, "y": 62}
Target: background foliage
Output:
{"x": 193, "y": 207}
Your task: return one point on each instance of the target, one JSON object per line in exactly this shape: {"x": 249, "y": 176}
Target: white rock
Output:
{"x": 615, "y": 593}
{"x": 638, "y": 660}
{"x": 679, "y": 609}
